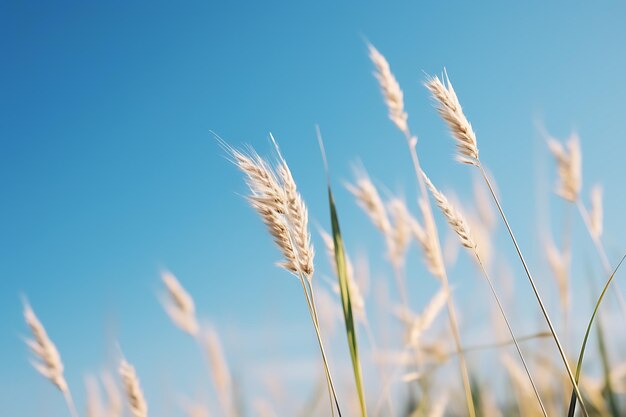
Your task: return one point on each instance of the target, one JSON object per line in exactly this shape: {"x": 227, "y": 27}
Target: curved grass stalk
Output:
{"x": 344, "y": 286}
{"x": 535, "y": 291}
{"x": 508, "y": 325}
{"x": 313, "y": 313}
{"x": 572, "y": 405}
{"x": 454, "y": 326}
{"x": 67, "y": 395}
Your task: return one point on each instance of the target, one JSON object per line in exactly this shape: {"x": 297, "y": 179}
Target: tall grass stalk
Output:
{"x": 344, "y": 286}
{"x": 460, "y": 227}
{"x": 536, "y": 292}
{"x": 451, "y": 112}
{"x": 395, "y": 103}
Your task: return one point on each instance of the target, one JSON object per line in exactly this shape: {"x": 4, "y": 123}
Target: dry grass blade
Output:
{"x": 132, "y": 389}
{"x": 581, "y": 355}
{"x": 179, "y": 305}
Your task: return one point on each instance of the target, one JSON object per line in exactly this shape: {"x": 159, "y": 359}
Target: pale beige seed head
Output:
{"x": 596, "y": 213}
{"x": 132, "y": 389}
{"x": 368, "y": 198}
{"x": 297, "y": 214}
{"x": 451, "y": 112}
{"x": 179, "y": 305}
{"x": 390, "y": 88}
{"x": 401, "y": 232}
{"x": 268, "y": 197}
{"x": 427, "y": 237}
{"x": 47, "y": 360}
{"x": 569, "y": 163}
{"x": 419, "y": 324}
{"x": 453, "y": 217}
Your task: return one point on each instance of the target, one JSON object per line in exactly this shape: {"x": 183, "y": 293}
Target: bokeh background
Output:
{"x": 109, "y": 172}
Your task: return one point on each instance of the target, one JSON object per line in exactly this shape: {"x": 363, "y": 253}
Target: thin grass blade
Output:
{"x": 340, "y": 260}
{"x": 572, "y": 404}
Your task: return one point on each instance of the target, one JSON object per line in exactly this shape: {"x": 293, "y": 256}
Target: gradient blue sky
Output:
{"x": 108, "y": 171}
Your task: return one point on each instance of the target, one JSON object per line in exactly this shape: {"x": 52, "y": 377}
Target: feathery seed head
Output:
{"x": 426, "y": 235}
{"x": 274, "y": 195}
{"x": 132, "y": 388}
{"x": 453, "y": 217}
{"x": 390, "y": 89}
{"x": 368, "y": 198}
{"x": 451, "y": 112}
{"x": 47, "y": 359}
{"x": 179, "y": 305}
{"x": 569, "y": 162}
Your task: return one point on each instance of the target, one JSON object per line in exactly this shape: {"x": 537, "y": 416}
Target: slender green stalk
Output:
{"x": 606, "y": 370}
{"x": 536, "y": 292}
{"x": 572, "y": 405}
{"x": 326, "y": 371}
{"x": 321, "y": 344}
{"x": 508, "y": 325}
{"x": 344, "y": 286}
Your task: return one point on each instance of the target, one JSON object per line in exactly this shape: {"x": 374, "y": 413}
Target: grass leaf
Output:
{"x": 340, "y": 260}
{"x": 572, "y": 404}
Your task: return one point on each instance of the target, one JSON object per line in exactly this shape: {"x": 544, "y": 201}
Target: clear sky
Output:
{"x": 109, "y": 173}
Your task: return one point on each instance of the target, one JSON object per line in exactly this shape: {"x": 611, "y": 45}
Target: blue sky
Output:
{"x": 108, "y": 170}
